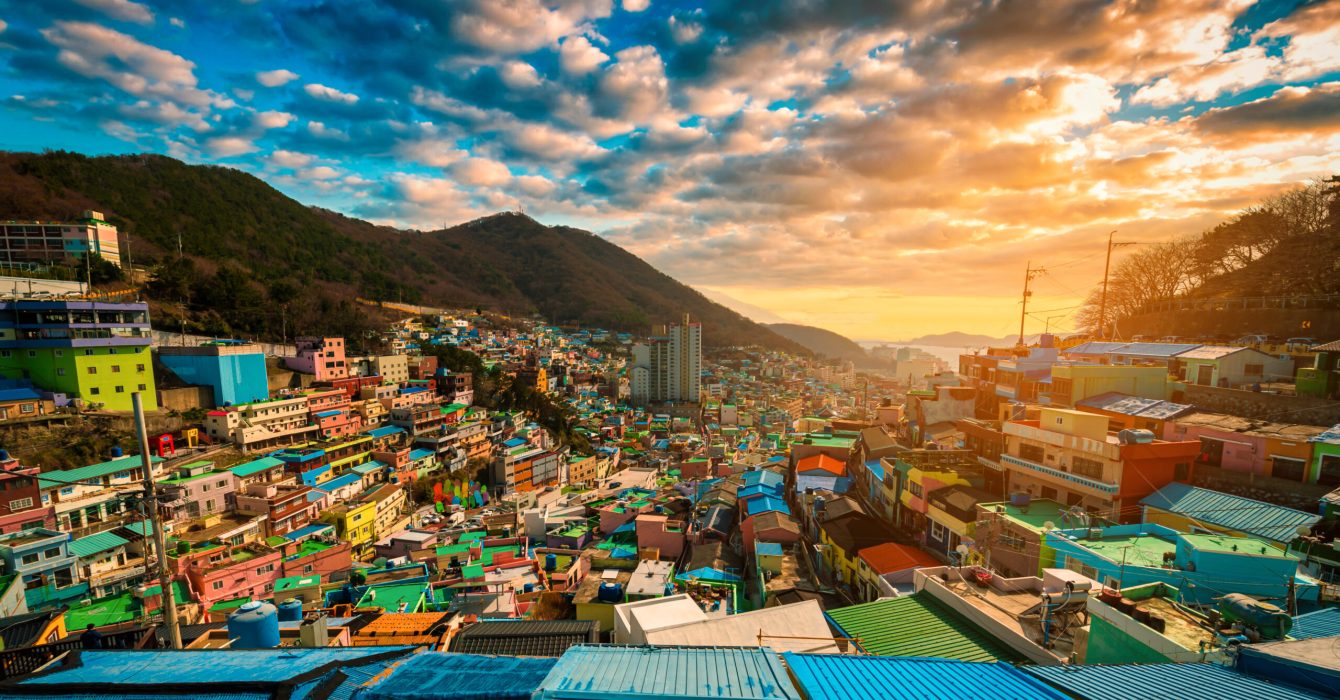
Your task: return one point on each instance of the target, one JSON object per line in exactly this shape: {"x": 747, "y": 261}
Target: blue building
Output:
{"x": 41, "y": 559}
{"x": 234, "y": 369}
{"x": 1201, "y": 567}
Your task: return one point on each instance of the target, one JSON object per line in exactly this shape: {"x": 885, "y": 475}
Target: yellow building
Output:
{"x": 844, "y": 537}
{"x": 355, "y": 523}
{"x": 1072, "y": 384}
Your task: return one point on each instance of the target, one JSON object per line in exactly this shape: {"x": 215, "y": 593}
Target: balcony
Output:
{"x": 1103, "y": 487}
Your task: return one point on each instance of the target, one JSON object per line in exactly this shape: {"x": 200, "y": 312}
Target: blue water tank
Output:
{"x": 610, "y": 593}
{"x": 117, "y": 452}
{"x": 290, "y": 610}
{"x": 1020, "y": 499}
{"x": 255, "y": 625}
{"x": 4, "y": 455}
{"x": 551, "y": 562}
{"x": 528, "y": 588}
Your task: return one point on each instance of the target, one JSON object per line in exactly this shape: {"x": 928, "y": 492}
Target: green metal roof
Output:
{"x": 256, "y": 466}
{"x": 95, "y": 543}
{"x": 93, "y": 471}
{"x": 919, "y": 625}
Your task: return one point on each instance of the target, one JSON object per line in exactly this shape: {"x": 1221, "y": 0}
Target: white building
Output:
{"x": 669, "y": 368}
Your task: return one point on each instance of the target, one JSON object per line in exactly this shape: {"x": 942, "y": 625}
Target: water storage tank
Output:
{"x": 255, "y": 625}
{"x": 528, "y": 588}
{"x": 610, "y": 593}
{"x": 117, "y": 452}
{"x": 1271, "y": 621}
{"x": 290, "y": 610}
{"x": 551, "y": 562}
{"x": 1020, "y": 499}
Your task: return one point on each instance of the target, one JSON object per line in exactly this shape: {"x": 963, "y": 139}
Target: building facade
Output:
{"x": 669, "y": 368}
{"x": 42, "y": 242}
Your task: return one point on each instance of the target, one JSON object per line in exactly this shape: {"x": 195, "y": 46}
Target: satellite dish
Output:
{"x": 1049, "y": 525}
{"x": 1304, "y": 530}
{"x": 962, "y": 550}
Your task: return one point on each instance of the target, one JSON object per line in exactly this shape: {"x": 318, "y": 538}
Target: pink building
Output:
{"x": 659, "y": 532}
{"x": 224, "y": 573}
{"x": 321, "y": 357}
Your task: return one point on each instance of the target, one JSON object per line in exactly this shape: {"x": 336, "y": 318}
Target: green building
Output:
{"x": 97, "y": 352}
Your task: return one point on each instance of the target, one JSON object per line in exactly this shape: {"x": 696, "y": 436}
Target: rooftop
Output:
{"x": 439, "y": 676}
{"x": 525, "y": 637}
{"x": 1272, "y": 522}
{"x": 918, "y": 625}
{"x": 847, "y": 677}
{"x": 1033, "y": 516}
{"x": 1144, "y": 681}
{"x": 612, "y": 672}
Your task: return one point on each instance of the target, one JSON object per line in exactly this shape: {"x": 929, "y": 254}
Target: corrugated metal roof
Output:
{"x": 1153, "y": 349}
{"x": 1322, "y": 623}
{"x": 593, "y": 672}
{"x": 525, "y": 637}
{"x": 846, "y": 677}
{"x": 1162, "y": 682}
{"x": 1267, "y": 520}
{"x": 1212, "y": 352}
{"x": 171, "y": 668}
{"x": 94, "y": 471}
{"x": 98, "y": 542}
{"x": 919, "y": 625}
{"x": 439, "y": 676}
{"x": 256, "y": 466}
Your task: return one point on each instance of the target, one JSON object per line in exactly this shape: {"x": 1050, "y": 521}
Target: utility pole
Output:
{"x": 1029, "y": 273}
{"x": 1107, "y": 267}
{"x": 160, "y": 543}
{"x": 1047, "y": 327}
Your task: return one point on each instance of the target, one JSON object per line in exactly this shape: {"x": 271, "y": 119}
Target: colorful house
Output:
{"x": 1188, "y": 508}
{"x": 1279, "y": 450}
{"x": 883, "y": 566}
{"x": 822, "y": 472}
{"x": 233, "y": 369}
{"x": 843, "y": 538}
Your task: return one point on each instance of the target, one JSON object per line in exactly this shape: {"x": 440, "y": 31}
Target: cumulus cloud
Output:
{"x": 578, "y": 56}
{"x": 273, "y": 119}
{"x": 481, "y": 172}
{"x": 124, "y": 10}
{"x": 1290, "y": 110}
{"x": 635, "y": 87}
{"x": 520, "y": 26}
{"x": 277, "y": 77}
{"x": 320, "y": 172}
{"x": 128, "y": 64}
{"x": 635, "y": 5}
{"x": 228, "y": 146}
{"x": 329, "y": 94}
{"x": 290, "y": 159}
{"x": 519, "y": 74}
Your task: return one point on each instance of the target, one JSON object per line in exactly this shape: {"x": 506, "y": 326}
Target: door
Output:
{"x": 1204, "y": 375}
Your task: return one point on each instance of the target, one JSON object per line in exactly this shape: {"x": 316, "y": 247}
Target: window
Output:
{"x": 1091, "y": 468}
{"x": 92, "y": 370}
{"x": 1032, "y": 453}
{"x": 51, "y": 553}
{"x": 937, "y": 531}
{"x": 30, "y": 558}
{"x": 60, "y": 371}
{"x": 1254, "y": 370}
{"x": 1287, "y": 468}
{"x": 21, "y": 503}
{"x": 27, "y": 408}
{"x": 6, "y": 353}
{"x": 139, "y": 368}
{"x": 141, "y": 387}
{"x": 88, "y": 352}
{"x": 265, "y": 569}
{"x": 116, "y": 369}
{"x": 217, "y": 585}
{"x": 32, "y": 353}
{"x": 95, "y": 391}
{"x": 120, "y": 389}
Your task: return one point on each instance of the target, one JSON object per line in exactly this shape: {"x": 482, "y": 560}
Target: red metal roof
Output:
{"x": 889, "y": 557}
{"x": 822, "y": 462}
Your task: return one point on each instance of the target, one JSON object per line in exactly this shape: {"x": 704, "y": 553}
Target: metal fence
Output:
{"x": 25, "y": 660}
{"x": 1296, "y": 301}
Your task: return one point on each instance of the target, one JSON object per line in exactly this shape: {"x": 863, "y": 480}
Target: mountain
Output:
{"x": 821, "y": 341}
{"x": 250, "y": 250}
{"x": 955, "y": 339}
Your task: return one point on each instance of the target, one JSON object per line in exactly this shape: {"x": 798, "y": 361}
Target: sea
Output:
{"x": 948, "y": 354}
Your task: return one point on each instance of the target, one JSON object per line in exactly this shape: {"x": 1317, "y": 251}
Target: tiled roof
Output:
{"x": 1230, "y": 512}
{"x": 1146, "y": 681}
{"x": 889, "y": 557}
{"x": 847, "y": 677}
{"x": 594, "y": 672}
{"x": 89, "y": 545}
{"x": 525, "y": 637}
{"x": 1333, "y": 346}
{"x": 93, "y": 471}
{"x": 918, "y": 625}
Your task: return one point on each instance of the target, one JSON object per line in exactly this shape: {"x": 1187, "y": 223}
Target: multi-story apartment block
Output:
{"x": 287, "y": 506}
{"x": 41, "y": 558}
{"x": 263, "y": 425}
{"x": 456, "y": 387}
{"x": 86, "y": 499}
{"x": 234, "y": 369}
{"x": 1070, "y": 457}
{"x": 97, "y": 352}
{"x": 669, "y": 368}
{"x": 324, "y": 358}
{"x": 195, "y": 490}
{"x": 41, "y": 242}
{"x": 21, "y": 506}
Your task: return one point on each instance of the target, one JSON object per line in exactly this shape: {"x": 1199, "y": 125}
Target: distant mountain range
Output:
{"x": 254, "y": 249}
{"x": 956, "y": 339}
{"x": 821, "y": 341}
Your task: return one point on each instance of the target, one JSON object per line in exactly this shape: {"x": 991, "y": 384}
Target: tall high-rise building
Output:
{"x": 41, "y": 242}
{"x": 669, "y": 367}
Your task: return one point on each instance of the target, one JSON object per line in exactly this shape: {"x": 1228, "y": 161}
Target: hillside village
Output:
{"x": 1070, "y": 504}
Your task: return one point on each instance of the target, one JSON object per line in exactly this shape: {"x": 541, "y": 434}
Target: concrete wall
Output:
{"x": 169, "y": 338}
{"x": 1262, "y": 406}
{"x": 1262, "y": 488}
{"x": 185, "y": 398}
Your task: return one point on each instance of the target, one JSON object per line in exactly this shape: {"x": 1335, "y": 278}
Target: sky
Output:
{"x": 882, "y": 169}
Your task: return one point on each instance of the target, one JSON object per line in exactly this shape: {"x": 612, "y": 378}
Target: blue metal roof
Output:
{"x": 1322, "y": 623}
{"x": 768, "y": 548}
{"x": 341, "y": 481}
{"x": 843, "y": 677}
{"x": 420, "y": 453}
{"x": 762, "y": 476}
{"x": 876, "y": 468}
{"x": 1154, "y": 349}
{"x": 592, "y": 672}
{"x": 202, "y": 666}
{"x": 442, "y": 676}
{"x": 765, "y": 504}
{"x": 1272, "y": 522}
{"x": 1146, "y": 681}
{"x": 385, "y": 431}
{"x": 328, "y": 414}
{"x": 308, "y": 531}
{"x": 19, "y": 394}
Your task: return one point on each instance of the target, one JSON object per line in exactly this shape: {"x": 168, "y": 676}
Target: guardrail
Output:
{"x": 1296, "y": 301}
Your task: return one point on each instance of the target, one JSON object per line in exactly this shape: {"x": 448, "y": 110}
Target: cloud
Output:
{"x": 521, "y": 26}
{"x": 290, "y": 159}
{"x": 273, "y": 120}
{"x": 1313, "y": 36}
{"x": 320, "y": 172}
{"x": 1230, "y": 72}
{"x": 329, "y": 94}
{"x": 1290, "y": 110}
{"x": 635, "y": 5}
{"x": 480, "y": 172}
{"x": 126, "y": 63}
{"x": 321, "y": 131}
{"x": 124, "y": 10}
{"x": 277, "y": 77}
{"x": 519, "y": 74}
{"x": 635, "y": 87}
{"x": 229, "y": 146}
{"x": 578, "y": 56}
